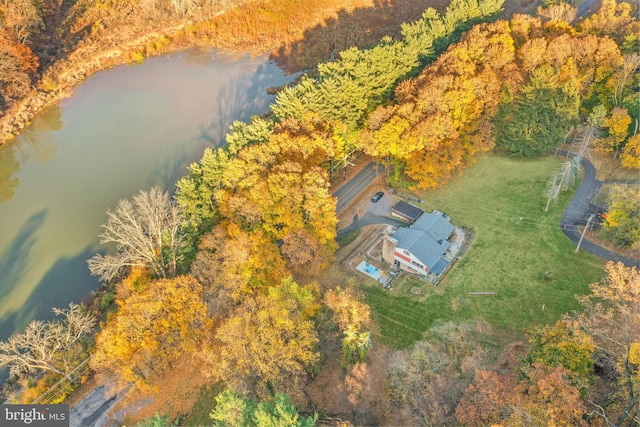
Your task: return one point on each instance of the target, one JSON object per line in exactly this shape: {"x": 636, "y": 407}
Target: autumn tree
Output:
{"x": 617, "y": 124}
{"x": 630, "y": 157}
{"x": 563, "y": 345}
{"x": 435, "y": 372}
{"x": 148, "y": 232}
{"x": 156, "y": 322}
{"x": 613, "y": 19}
{"x": 486, "y": 400}
{"x": 23, "y": 17}
{"x": 557, "y": 10}
{"x": 446, "y": 119}
{"x": 18, "y": 69}
{"x": 546, "y": 397}
{"x": 353, "y": 318}
{"x": 350, "y": 88}
{"x": 541, "y": 396}
{"x": 47, "y": 346}
{"x": 268, "y": 344}
{"x": 233, "y": 264}
{"x": 612, "y": 317}
{"x": 622, "y": 223}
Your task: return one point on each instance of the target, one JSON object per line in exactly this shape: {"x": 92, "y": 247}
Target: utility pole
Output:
{"x": 584, "y": 231}
{"x": 553, "y": 192}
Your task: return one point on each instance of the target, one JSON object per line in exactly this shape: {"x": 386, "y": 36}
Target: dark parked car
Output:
{"x": 377, "y": 196}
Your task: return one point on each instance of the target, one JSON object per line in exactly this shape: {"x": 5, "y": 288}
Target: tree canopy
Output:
{"x": 268, "y": 343}
{"x": 156, "y": 322}
{"x": 234, "y": 410}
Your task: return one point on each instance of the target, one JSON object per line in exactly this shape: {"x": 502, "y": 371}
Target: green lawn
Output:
{"x": 515, "y": 244}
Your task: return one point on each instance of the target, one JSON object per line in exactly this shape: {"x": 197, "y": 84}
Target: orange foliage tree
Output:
{"x": 543, "y": 397}
{"x": 156, "y": 323}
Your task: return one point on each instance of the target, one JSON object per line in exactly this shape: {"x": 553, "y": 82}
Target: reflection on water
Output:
{"x": 36, "y": 144}
{"x": 123, "y": 130}
{"x": 9, "y": 165}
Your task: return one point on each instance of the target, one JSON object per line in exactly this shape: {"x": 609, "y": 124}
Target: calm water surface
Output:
{"x": 123, "y": 130}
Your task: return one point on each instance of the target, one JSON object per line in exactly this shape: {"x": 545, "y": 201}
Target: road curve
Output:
{"x": 578, "y": 210}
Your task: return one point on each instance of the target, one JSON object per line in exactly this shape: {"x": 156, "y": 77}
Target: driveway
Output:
{"x": 579, "y": 210}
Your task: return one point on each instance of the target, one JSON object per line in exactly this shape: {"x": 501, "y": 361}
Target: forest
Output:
{"x": 226, "y": 277}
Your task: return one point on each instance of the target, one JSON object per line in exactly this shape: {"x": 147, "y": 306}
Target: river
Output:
{"x": 124, "y": 129}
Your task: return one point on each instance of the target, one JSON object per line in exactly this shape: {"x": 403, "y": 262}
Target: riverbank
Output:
{"x": 72, "y": 69}
{"x": 321, "y": 30}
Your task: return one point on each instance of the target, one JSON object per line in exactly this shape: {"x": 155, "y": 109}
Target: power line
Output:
{"x": 497, "y": 214}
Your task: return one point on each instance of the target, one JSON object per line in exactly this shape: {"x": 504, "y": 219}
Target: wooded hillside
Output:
{"x": 47, "y": 47}
{"x": 226, "y": 272}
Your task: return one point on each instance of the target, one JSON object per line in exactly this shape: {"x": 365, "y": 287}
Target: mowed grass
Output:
{"x": 516, "y": 245}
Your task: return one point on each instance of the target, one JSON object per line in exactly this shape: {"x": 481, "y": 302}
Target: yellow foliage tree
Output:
{"x": 618, "y": 123}
{"x": 353, "y": 318}
{"x": 233, "y": 263}
{"x": 152, "y": 328}
{"x": 268, "y": 344}
{"x": 630, "y": 157}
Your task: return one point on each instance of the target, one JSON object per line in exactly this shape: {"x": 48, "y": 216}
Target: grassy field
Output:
{"x": 518, "y": 252}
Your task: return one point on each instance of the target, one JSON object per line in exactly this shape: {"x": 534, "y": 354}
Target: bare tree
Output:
{"x": 23, "y": 17}
{"x": 432, "y": 376}
{"x": 623, "y": 77}
{"x": 14, "y": 80}
{"x": 45, "y": 346}
{"x": 558, "y": 12}
{"x": 612, "y": 317}
{"x": 148, "y": 233}
{"x": 563, "y": 180}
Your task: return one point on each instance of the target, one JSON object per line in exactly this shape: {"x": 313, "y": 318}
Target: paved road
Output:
{"x": 579, "y": 209}
{"x": 352, "y": 188}
{"x": 587, "y": 6}
{"x": 91, "y": 411}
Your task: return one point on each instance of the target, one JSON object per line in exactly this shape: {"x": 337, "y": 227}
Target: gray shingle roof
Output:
{"x": 435, "y": 224}
{"x": 426, "y": 240}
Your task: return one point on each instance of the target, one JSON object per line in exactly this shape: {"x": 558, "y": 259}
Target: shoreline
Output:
{"x": 73, "y": 71}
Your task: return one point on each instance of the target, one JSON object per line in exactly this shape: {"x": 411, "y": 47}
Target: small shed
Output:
{"x": 406, "y": 211}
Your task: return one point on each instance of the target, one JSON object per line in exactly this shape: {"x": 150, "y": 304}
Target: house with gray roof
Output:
{"x": 420, "y": 248}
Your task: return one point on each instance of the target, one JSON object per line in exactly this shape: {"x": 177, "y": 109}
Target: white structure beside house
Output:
{"x": 420, "y": 248}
